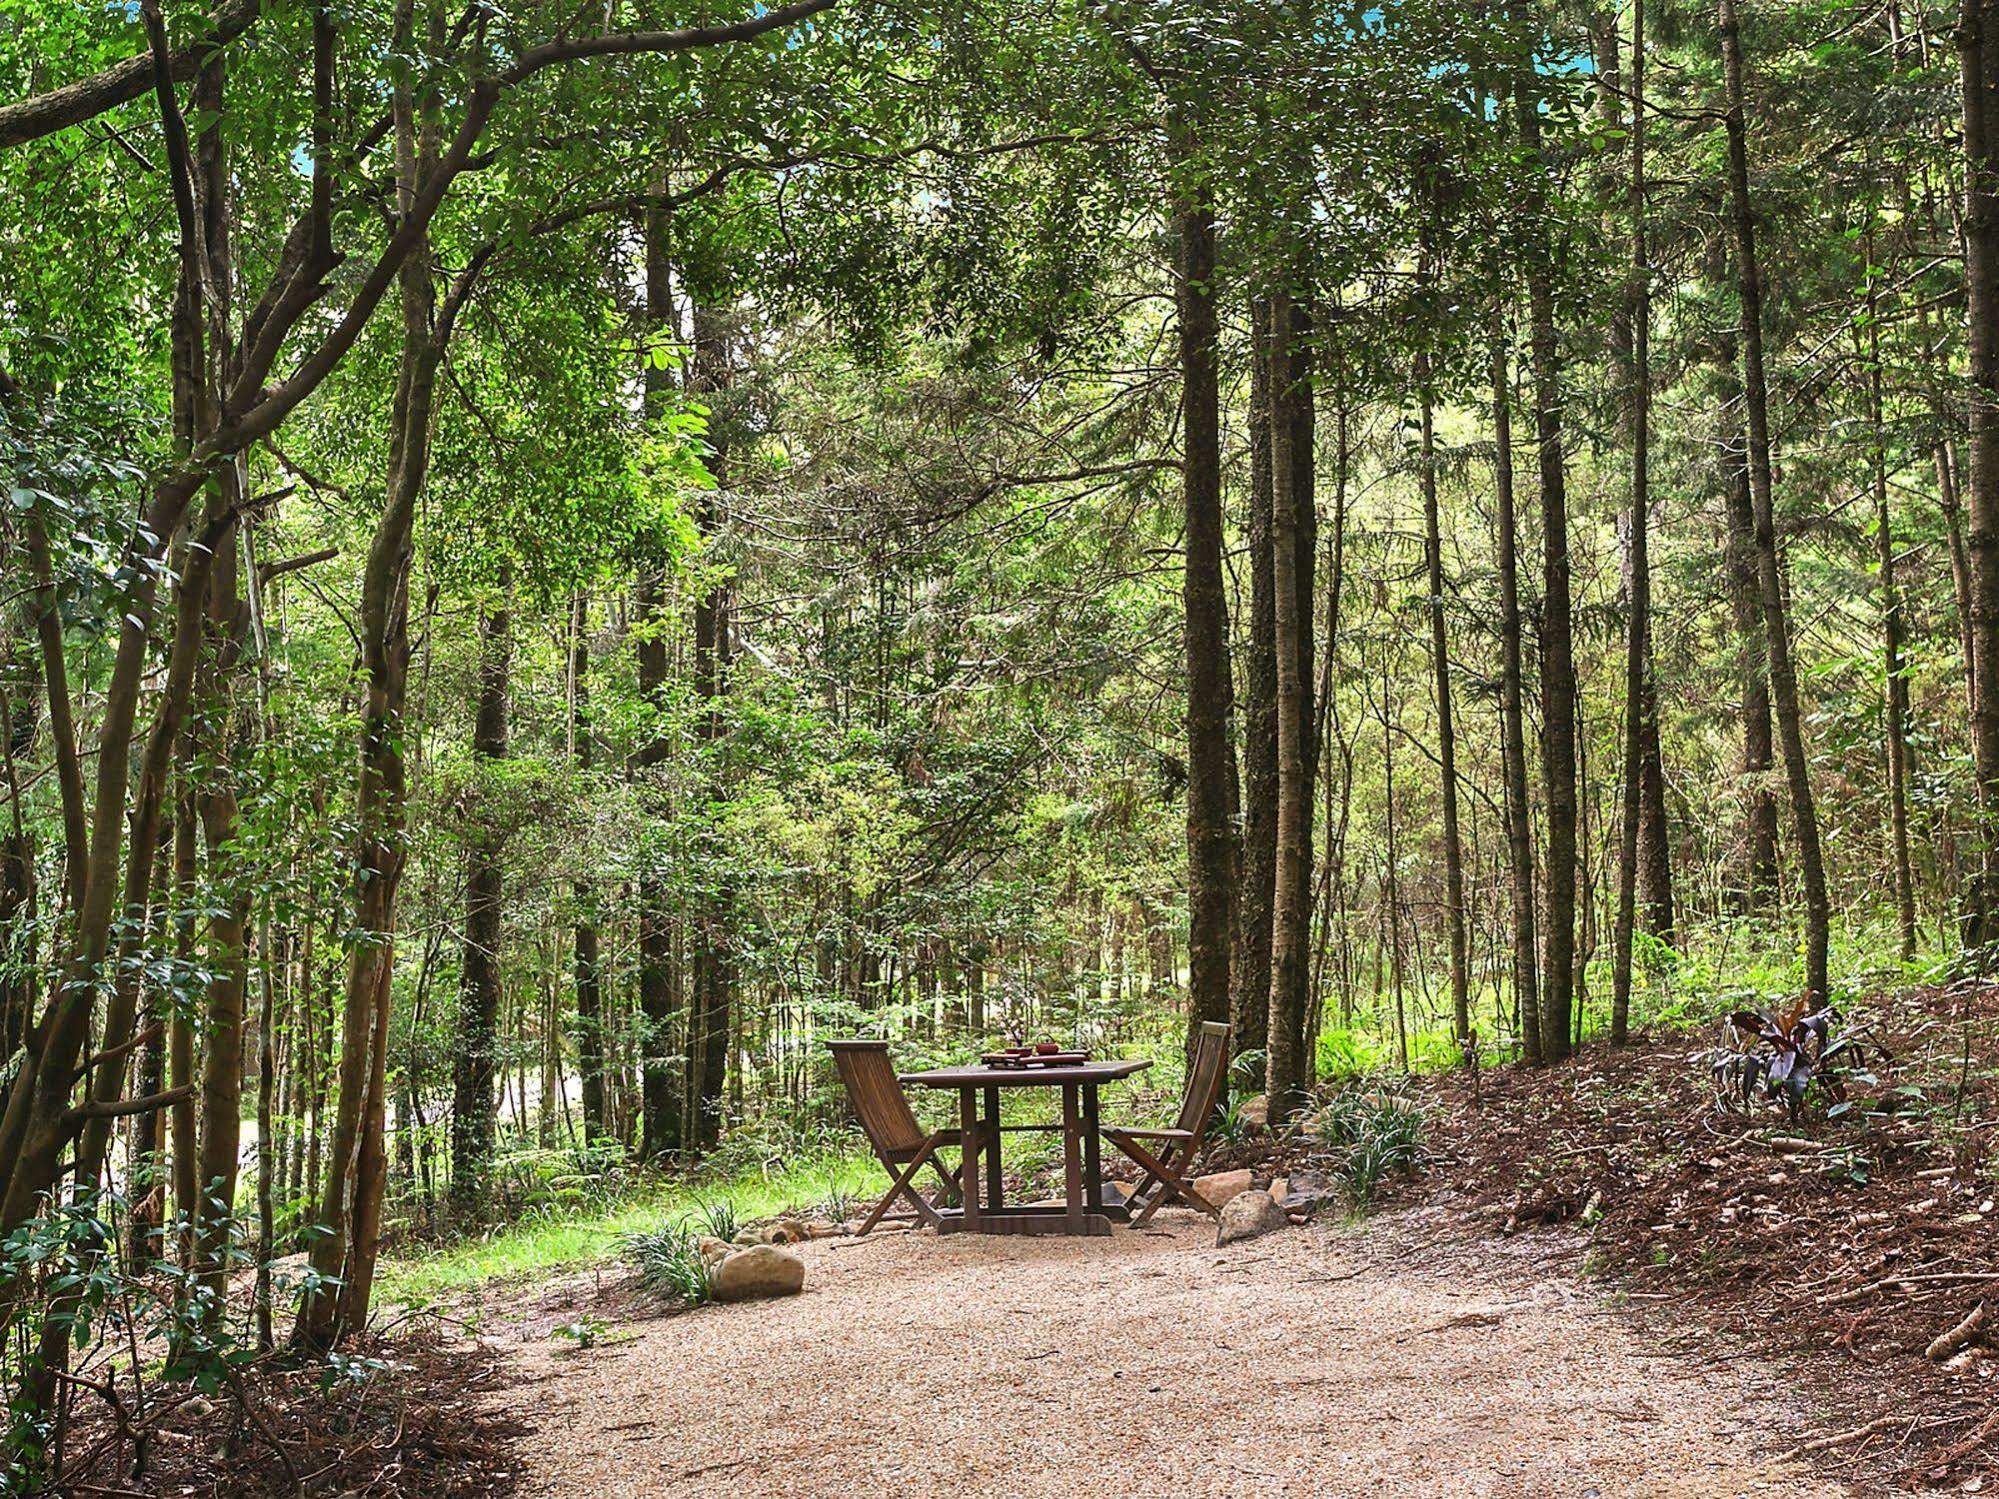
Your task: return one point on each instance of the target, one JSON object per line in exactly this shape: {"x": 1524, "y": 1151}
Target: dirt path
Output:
{"x": 1314, "y": 1362}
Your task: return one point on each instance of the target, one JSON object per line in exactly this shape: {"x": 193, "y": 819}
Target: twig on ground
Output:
{"x": 1968, "y": 1445}
{"x": 1826, "y": 1444}
{"x": 256, "y": 1415}
{"x": 1948, "y": 1342}
{"x": 1889, "y": 1282}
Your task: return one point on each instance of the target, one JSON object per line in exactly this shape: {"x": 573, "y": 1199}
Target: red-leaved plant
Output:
{"x": 1787, "y": 1048}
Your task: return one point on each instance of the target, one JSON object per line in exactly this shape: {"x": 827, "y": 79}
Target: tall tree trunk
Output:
{"x": 1769, "y": 564}
{"x": 342, "y": 1258}
{"x": 659, "y": 1069}
{"x": 473, "y": 1061}
{"x": 588, "y": 970}
{"x": 1447, "y": 748}
{"x": 1211, "y": 836}
{"x": 1257, "y": 895}
{"x": 1331, "y": 731}
{"x": 553, "y": 1105}
{"x": 1638, "y": 589}
{"x": 1391, "y": 883}
{"x": 1978, "y": 54}
{"x": 21, "y": 700}
{"x": 183, "y": 1133}
{"x": 1293, "y": 548}
{"x": 1655, "y": 851}
{"x": 714, "y": 610}
{"x": 1759, "y": 739}
{"x": 216, "y": 800}
{"x": 1558, "y": 672}
{"x": 1656, "y": 907}
{"x": 147, "y": 1144}
{"x": 1519, "y": 808}
{"x": 1895, "y": 694}
{"x": 1952, "y": 511}
{"x": 228, "y": 932}
{"x": 269, "y": 1144}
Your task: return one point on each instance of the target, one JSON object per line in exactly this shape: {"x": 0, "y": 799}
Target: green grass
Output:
{"x": 1721, "y": 967}
{"x": 548, "y": 1240}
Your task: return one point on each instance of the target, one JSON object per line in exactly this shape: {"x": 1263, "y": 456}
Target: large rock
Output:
{"x": 1249, "y": 1215}
{"x": 759, "y": 1272}
{"x": 1218, "y": 1187}
{"x": 713, "y": 1250}
{"x": 1254, "y": 1115}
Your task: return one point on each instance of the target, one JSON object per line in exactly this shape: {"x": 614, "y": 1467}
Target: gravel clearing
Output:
{"x": 1316, "y": 1361}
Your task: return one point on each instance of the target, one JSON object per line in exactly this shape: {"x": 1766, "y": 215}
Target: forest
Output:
{"x": 560, "y": 557}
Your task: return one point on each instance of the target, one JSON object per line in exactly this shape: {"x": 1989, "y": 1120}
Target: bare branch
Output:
{"x": 122, "y": 82}
{"x": 628, "y": 43}
{"x": 270, "y": 570}
{"x": 124, "y": 1107}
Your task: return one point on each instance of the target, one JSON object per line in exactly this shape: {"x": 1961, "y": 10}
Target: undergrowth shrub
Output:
{"x": 1245, "y": 1081}
{"x": 838, "y": 1205}
{"x": 718, "y": 1216}
{"x": 668, "y": 1260}
{"x": 1371, "y": 1133}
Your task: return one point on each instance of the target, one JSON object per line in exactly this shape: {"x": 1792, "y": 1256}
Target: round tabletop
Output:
{"x": 1069, "y": 1074}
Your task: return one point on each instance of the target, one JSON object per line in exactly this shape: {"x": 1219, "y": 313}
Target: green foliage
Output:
{"x": 669, "y": 1262}
{"x": 1345, "y": 1052}
{"x": 351, "y": 1370}
{"x": 717, "y": 1216}
{"x": 1372, "y": 1133}
{"x": 920, "y": 768}
{"x": 1244, "y": 1082}
{"x": 56, "y": 1263}
{"x": 583, "y": 1333}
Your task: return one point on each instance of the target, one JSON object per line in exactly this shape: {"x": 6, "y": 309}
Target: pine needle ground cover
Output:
{"x": 402, "y": 1416}
{"x": 1850, "y": 1248}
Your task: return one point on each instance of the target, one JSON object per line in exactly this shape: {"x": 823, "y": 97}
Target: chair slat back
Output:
{"x": 1205, "y": 1075}
{"x": 877, "y": 1095}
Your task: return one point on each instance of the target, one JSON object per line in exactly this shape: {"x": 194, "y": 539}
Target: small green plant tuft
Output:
{"x": 718, "y": 1217}
{"x": 1245, "y": 1078}
{"x": 670, "y": 1263}
{"x": 1371, "y": 1134}
{"x": 583, "y": 1332}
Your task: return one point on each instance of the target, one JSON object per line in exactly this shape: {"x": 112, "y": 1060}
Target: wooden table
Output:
{"x": 1083, "y": 1209}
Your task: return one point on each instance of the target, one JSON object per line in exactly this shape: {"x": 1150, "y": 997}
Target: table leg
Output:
{"x": 1072, "y": 1159}
{"x": 995, "y": 1186}
{"x": 1093, "y": 1164}
{"x": 968, "y": 1165}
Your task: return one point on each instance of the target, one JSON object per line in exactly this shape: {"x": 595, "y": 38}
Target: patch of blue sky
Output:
{"x": 1373, "y": 22}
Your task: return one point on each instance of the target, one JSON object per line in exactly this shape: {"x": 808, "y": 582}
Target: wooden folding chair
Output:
{"x": 1167, "y": 1156}
{"x": 885, "y": 1116}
